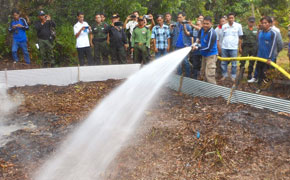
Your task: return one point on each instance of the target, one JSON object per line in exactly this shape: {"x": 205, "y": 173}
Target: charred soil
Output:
{"x": 181, "y": 137}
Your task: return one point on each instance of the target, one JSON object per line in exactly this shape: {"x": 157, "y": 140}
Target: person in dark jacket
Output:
{"x": 18, "y": 26}
{"x": 267, "y": 46}
{"x": 117, "y": 40}
{"x": 45, "y": 33}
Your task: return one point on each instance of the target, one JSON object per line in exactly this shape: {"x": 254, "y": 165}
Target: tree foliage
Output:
{"x": 64, "y": 14}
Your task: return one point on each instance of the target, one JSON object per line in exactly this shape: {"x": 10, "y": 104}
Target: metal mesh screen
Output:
{"x": 199, "y": 88}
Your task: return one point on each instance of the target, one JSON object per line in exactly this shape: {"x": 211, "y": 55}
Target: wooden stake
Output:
{"x": 231, "y": 94}
{"x": 79, "y": 76}
{"x": 180, "y": 83}
{"x": 6, "y": 78}
{"x": 236, "y": 84}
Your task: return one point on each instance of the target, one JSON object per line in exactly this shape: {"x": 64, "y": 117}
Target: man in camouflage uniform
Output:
{"x": 99, "y": 41}
{"x": 141, "y": 42}
{"x": 249, "y": 45}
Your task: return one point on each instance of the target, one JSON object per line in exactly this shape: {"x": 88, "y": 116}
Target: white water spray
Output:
{"x": 6, "y": 103}
{"x": 7, "y": 106}
{"x": 92, "y": 147}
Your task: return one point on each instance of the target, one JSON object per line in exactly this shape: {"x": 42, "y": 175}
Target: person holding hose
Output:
{"x": 207, "y": 38}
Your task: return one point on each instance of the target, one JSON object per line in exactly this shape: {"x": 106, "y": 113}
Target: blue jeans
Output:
{"x": 224, "y": 64}
{"x": 23, "y": 46}
{"x": 161, "y": 52}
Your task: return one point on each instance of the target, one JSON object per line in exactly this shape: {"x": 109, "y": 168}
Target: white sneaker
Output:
{"x": 253, "y": 80}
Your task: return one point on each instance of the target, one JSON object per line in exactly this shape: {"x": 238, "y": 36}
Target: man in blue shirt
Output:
{"x": 195, "y": 56}
{"x": 180, "y": 40}
{"x": 267, "y": 43}
{"x": 207, "y": 38}
{"x": 18, "y": 26}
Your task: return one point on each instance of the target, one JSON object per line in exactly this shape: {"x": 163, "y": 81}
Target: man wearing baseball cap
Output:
{"x": 140, "y": 42}
{"x": 45, "y": 33}
{"x": 249, "y": 45}
{"x": 117, "y": 40}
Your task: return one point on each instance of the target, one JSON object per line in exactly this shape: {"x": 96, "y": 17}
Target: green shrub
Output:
{"x": 5, "y": 49}
{"x": 65, "y": 46}
{"x": 32, "y": 41}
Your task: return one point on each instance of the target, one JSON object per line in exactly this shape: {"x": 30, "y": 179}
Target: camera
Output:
{"x": 185, "y": 22}
{"x": 146, "y": 16}
{"x": 173, "y": 25}
{"x": 118, "y": 23}
{"x": 133, "y": 16}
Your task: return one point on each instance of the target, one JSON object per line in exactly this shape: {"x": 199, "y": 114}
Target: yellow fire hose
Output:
{"x": 285, "y": 73}
{"x": 252, "y": 59}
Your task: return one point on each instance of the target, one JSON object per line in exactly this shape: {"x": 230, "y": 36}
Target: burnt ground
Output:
{"x": 279, "y": 89}
{"x": 236, "y": 141}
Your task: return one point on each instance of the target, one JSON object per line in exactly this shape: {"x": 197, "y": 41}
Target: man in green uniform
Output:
{"x": 99, "y": 41}
{"x": 249, "y": 44}
{"x": 141, "y": 42}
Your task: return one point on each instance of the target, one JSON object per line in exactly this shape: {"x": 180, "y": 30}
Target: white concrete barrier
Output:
{"x": 67, "y": 75}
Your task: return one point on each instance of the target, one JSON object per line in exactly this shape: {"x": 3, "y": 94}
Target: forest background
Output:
{"x": 64, "y": 14}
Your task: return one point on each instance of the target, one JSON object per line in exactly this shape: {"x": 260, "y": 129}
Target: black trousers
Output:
{"x": 85, "y": 52}
{"x": 118, "y": 55}
{"x": 262, "y": 68}
{"x": 248, "y": 50}
{"x": 195, "y": 60}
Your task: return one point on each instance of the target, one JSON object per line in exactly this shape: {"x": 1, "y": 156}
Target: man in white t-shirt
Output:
{"x": 219, "y": 33}
{"x": 279, "y": 38}
{"x": 131, "y": 21}
{"x": 129, "y": 24}
{"x": 232, "y": 33}
{"x": 81, "y": 32}
{"x": 274, "y": 23}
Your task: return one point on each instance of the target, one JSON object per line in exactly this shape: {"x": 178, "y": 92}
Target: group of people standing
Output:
{"x": 227, "y": 40}
{"x": 263, "y": 41}
{"x": 45, "y": 29}
{"x": 138, "y": 34}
